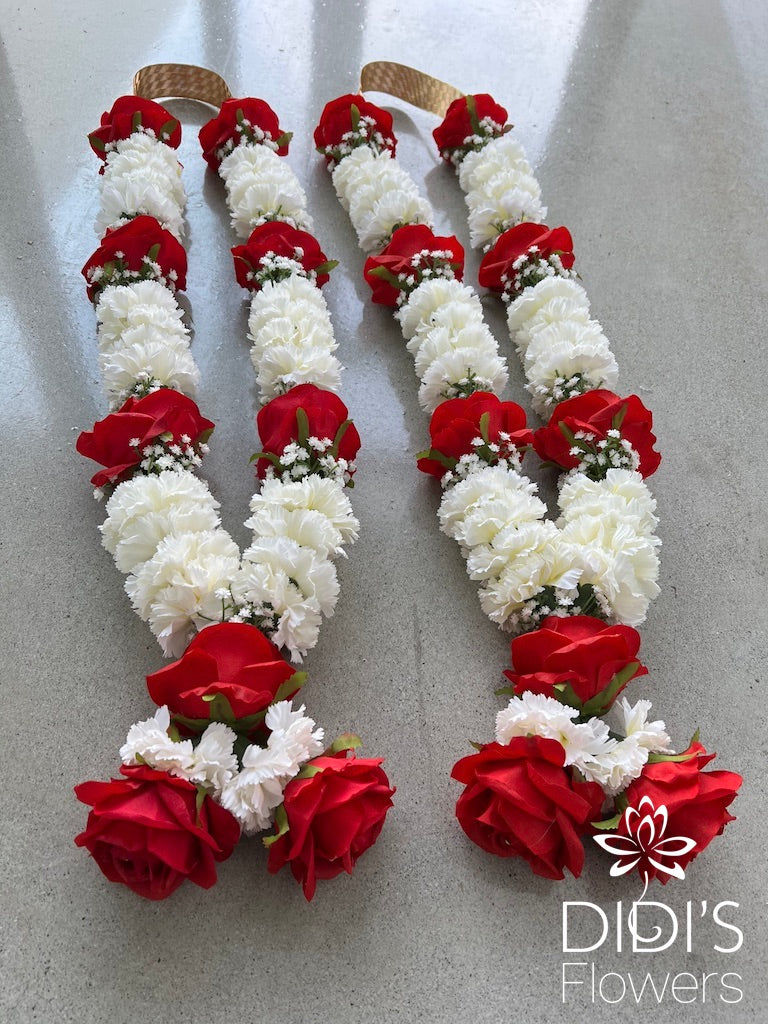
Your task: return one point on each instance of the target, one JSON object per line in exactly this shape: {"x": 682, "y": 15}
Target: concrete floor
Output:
{"x": 646, "y": 122}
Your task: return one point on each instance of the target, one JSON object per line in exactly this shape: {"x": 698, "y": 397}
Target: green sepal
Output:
{"x": 445, "y": 460}
{"x": 97, "y": 143}
{"x": 274, "y": 459}
{"x": 199, "y": 801}
{"x": 173, "y": 733}
{"x": 168, "y": 128}
{"x": 386, "y": 275}
{"x": 472, "y": 111}
{"x": 347, "y": 741}
{"x": 477, "y": 746}
{"x": 302, "y": 423}
{"x": 618, "y": 419}
{"x": 220, "y": 709}
{"x": 608, "y": 823}
{"x": 485, "y": 420}
{"x": 343, "y": 428}
{"x": 504, "y": 691}
{"x": 205, "y": 435}
{"x": 354, "y": 114}
{"x": 136, "y": 121}
{"x": 154, "y": 252}
{"x": 677, "y": 758}
{"x": 292, "y": 685}
{"x": 281, "y": 823}
{"x": 567, "y": 695}
{"x": 600, "y": 703}
{"x": 283, "y": 140}
{"x": 327, "y": 267}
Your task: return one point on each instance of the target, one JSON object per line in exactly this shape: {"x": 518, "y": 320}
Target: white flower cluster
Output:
{"x": 589, "y": 747}
{"x": 288, "y": 581}
{"x": 292, "y": 336}
{"x": 379, "y": 196}
{"x": 262, "y": 187}
{"x": 454, "y": 352}
{"x": 251, "y": 792}
{"x": 365, "y": 134}
{"x": 143, "y": 343}
{"x": 531, "y": 567}
{"x": 564, "y": 352}
{"x": 500, "y": 189}
{"x": 141, "y": 176}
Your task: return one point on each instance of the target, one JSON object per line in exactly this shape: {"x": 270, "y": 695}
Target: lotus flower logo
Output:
{"x": 646, "y": 843}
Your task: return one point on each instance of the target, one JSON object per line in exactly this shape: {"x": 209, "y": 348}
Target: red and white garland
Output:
{"x": 226, "y": 752}
{"x": 557, "y": 768}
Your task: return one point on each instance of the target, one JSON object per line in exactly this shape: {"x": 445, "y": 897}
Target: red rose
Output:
{"x": 578, "y": 651}
{"x": 125, "y": 253}
{"x": 696, "y": 805}
{"x": 457, "y": 422}
{"x": 248, "y": 118}
{"x": 496, "y": 269}
{"x": 381, "y": 271}
{"x": 276, "y": 237}
{"x": 232, "y": 659}
{"x": 164, "y": 412}
{"x": 343, "y": 116}
{"x": 334, "y": 814}
{"x": 462, "y": 121}
{"x": 278, "y": 423}
{"x": 148, "y": 832}
{"x": 597, "y": 412}
{"x": 128, "y": 114}
{"x": 521, "y": 802}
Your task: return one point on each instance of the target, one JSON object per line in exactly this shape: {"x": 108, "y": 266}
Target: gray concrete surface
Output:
{"x": 647, "y": 124}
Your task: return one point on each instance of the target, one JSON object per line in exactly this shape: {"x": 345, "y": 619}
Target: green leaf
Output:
{"x": 168, "y": 128}
{"x": 343, "y": 428}
{"x": 473, "y": 118}
{"x": 618, "y": 419}
{"x": 281, "y": 824}
{"x": 477, "y": 746}
{"x": 199, "y": 801}
{"x": 609, "y": 823}
{"x": 274, "y": 459}
{"x": 292, "y": 685}
{"x": 97, "y": 143}
{"x": 677, "y": 758}
{"x": 354, "y": 113}
{"x": 327, "y": 267}
{"x": 153, "y": 253}
{"x": 284, "y": 139}
{"x": 239, "y": 116}
{"x": 567, "y": 433}
{"x": 136, "y": 120}
{"x": 220, "y": 709}
{"x": 505, "y": 691}
{"x": 347, "y": 741}
{"x": 445, "y": 460}
{"x": 385, "y": 274}
{"x": 485, "y": 420}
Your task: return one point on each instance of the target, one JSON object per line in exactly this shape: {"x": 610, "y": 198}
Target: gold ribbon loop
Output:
{"x": 180, "y": 80}
{"x": 410, "y": 85}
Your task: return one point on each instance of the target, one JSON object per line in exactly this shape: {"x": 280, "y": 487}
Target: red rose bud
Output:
{"x": 595, "y": 414}
{"x": 579, "y": 657}
{"x": 520, "y": 801}
{"x": 150, "y": 832}
{"x": 400, "y": 267}
{"x": 332, "y": 812}
{"x": 249, "y": 120}
{"x": 469, "y": 120}
{"x": 130, "y": 114}
{"x": 458, "y": 422}
{"x": 497, "y": 270}
{"x": 233, "y": 662}
{"x": 351, "y": 121}
{"x": 305, "y": 412}
{"x": 163, "y": 417}
{"x": 255, "y": 261}
{"x": 139, "y": 250}
{"x": 696, "y": 805}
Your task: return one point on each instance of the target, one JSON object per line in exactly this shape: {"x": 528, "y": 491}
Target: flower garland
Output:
{"x": 558, "y": 768}
{"x": 225, "y": 753}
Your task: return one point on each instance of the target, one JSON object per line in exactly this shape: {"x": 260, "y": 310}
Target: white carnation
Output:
{"x": 308, "y": 528}
{"x": 297, "y": 331}
{"x": 615, "y": 770}
{"x": 448, "y": 372}
{"x": 215, "y": 761}
{"x": 175, "y": 590}
{"x": 284, "y": 365}
{"x": 426, "y": 302}
{"x": 559, "y": 310}
{"x": 491, "y": 214}
{"x": 129, "y": 196}
{"x": 260, "y": 186}
{"x": 314, "y": 576}
{"x": 442, "y": 340}
{"x": 485, "y": 521}
{"x": 548, "y": 564}
{"x": 149, "y": 741}
{"x": 594, "y": 361}
{"x": 141, "y": 155}
{"x": 454, "y": 316}
{"x": 586, "y": 336}
{"x": 494, "y": 483}
{"x": 166, "y": 362}
{"x": 527, "y": 305}
{"x": 358, "y": 167}
{"x": 622, "y": 491}
{"x": 533, "y": 714}
{"x": 478, "y": 167}
{"x": 312, "y": 493}
{"x": 295, "y": 298}
{"x": 143, "y": 303}
{"x": 514, "y": 545}
{"x": 375, "y": 227}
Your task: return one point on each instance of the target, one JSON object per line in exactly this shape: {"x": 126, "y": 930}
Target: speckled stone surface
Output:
{"x": 646, "y": 124}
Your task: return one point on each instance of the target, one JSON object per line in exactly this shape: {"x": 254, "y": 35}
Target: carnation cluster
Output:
{"x": 226, "y": 753}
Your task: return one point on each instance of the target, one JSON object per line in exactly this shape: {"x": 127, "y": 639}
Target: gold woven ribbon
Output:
{"x": 410, "y": 85}
{"x": 165, "y": 81}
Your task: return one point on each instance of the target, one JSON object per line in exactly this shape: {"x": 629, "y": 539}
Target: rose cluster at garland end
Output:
{"x": 229, "y": 660}
{"x": 276, "y": 250}
{"x": 579, "y": 652}
{"x": 459, "y": 422}
{"x": 413, "y": 255}
{"x": 577, "y": 424}
{"x": 130, "y": 114}
{"x": 151, "y": 831}
{"x": 468, "y": 121}
{"x": 118, "y": 441}
{"x": 335, "y": 809}
{"x": 520, "y": 801}
{"x": 350, "y": 121}
{"x": 139, "y": 250}
{"x": 241, "y": 120}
